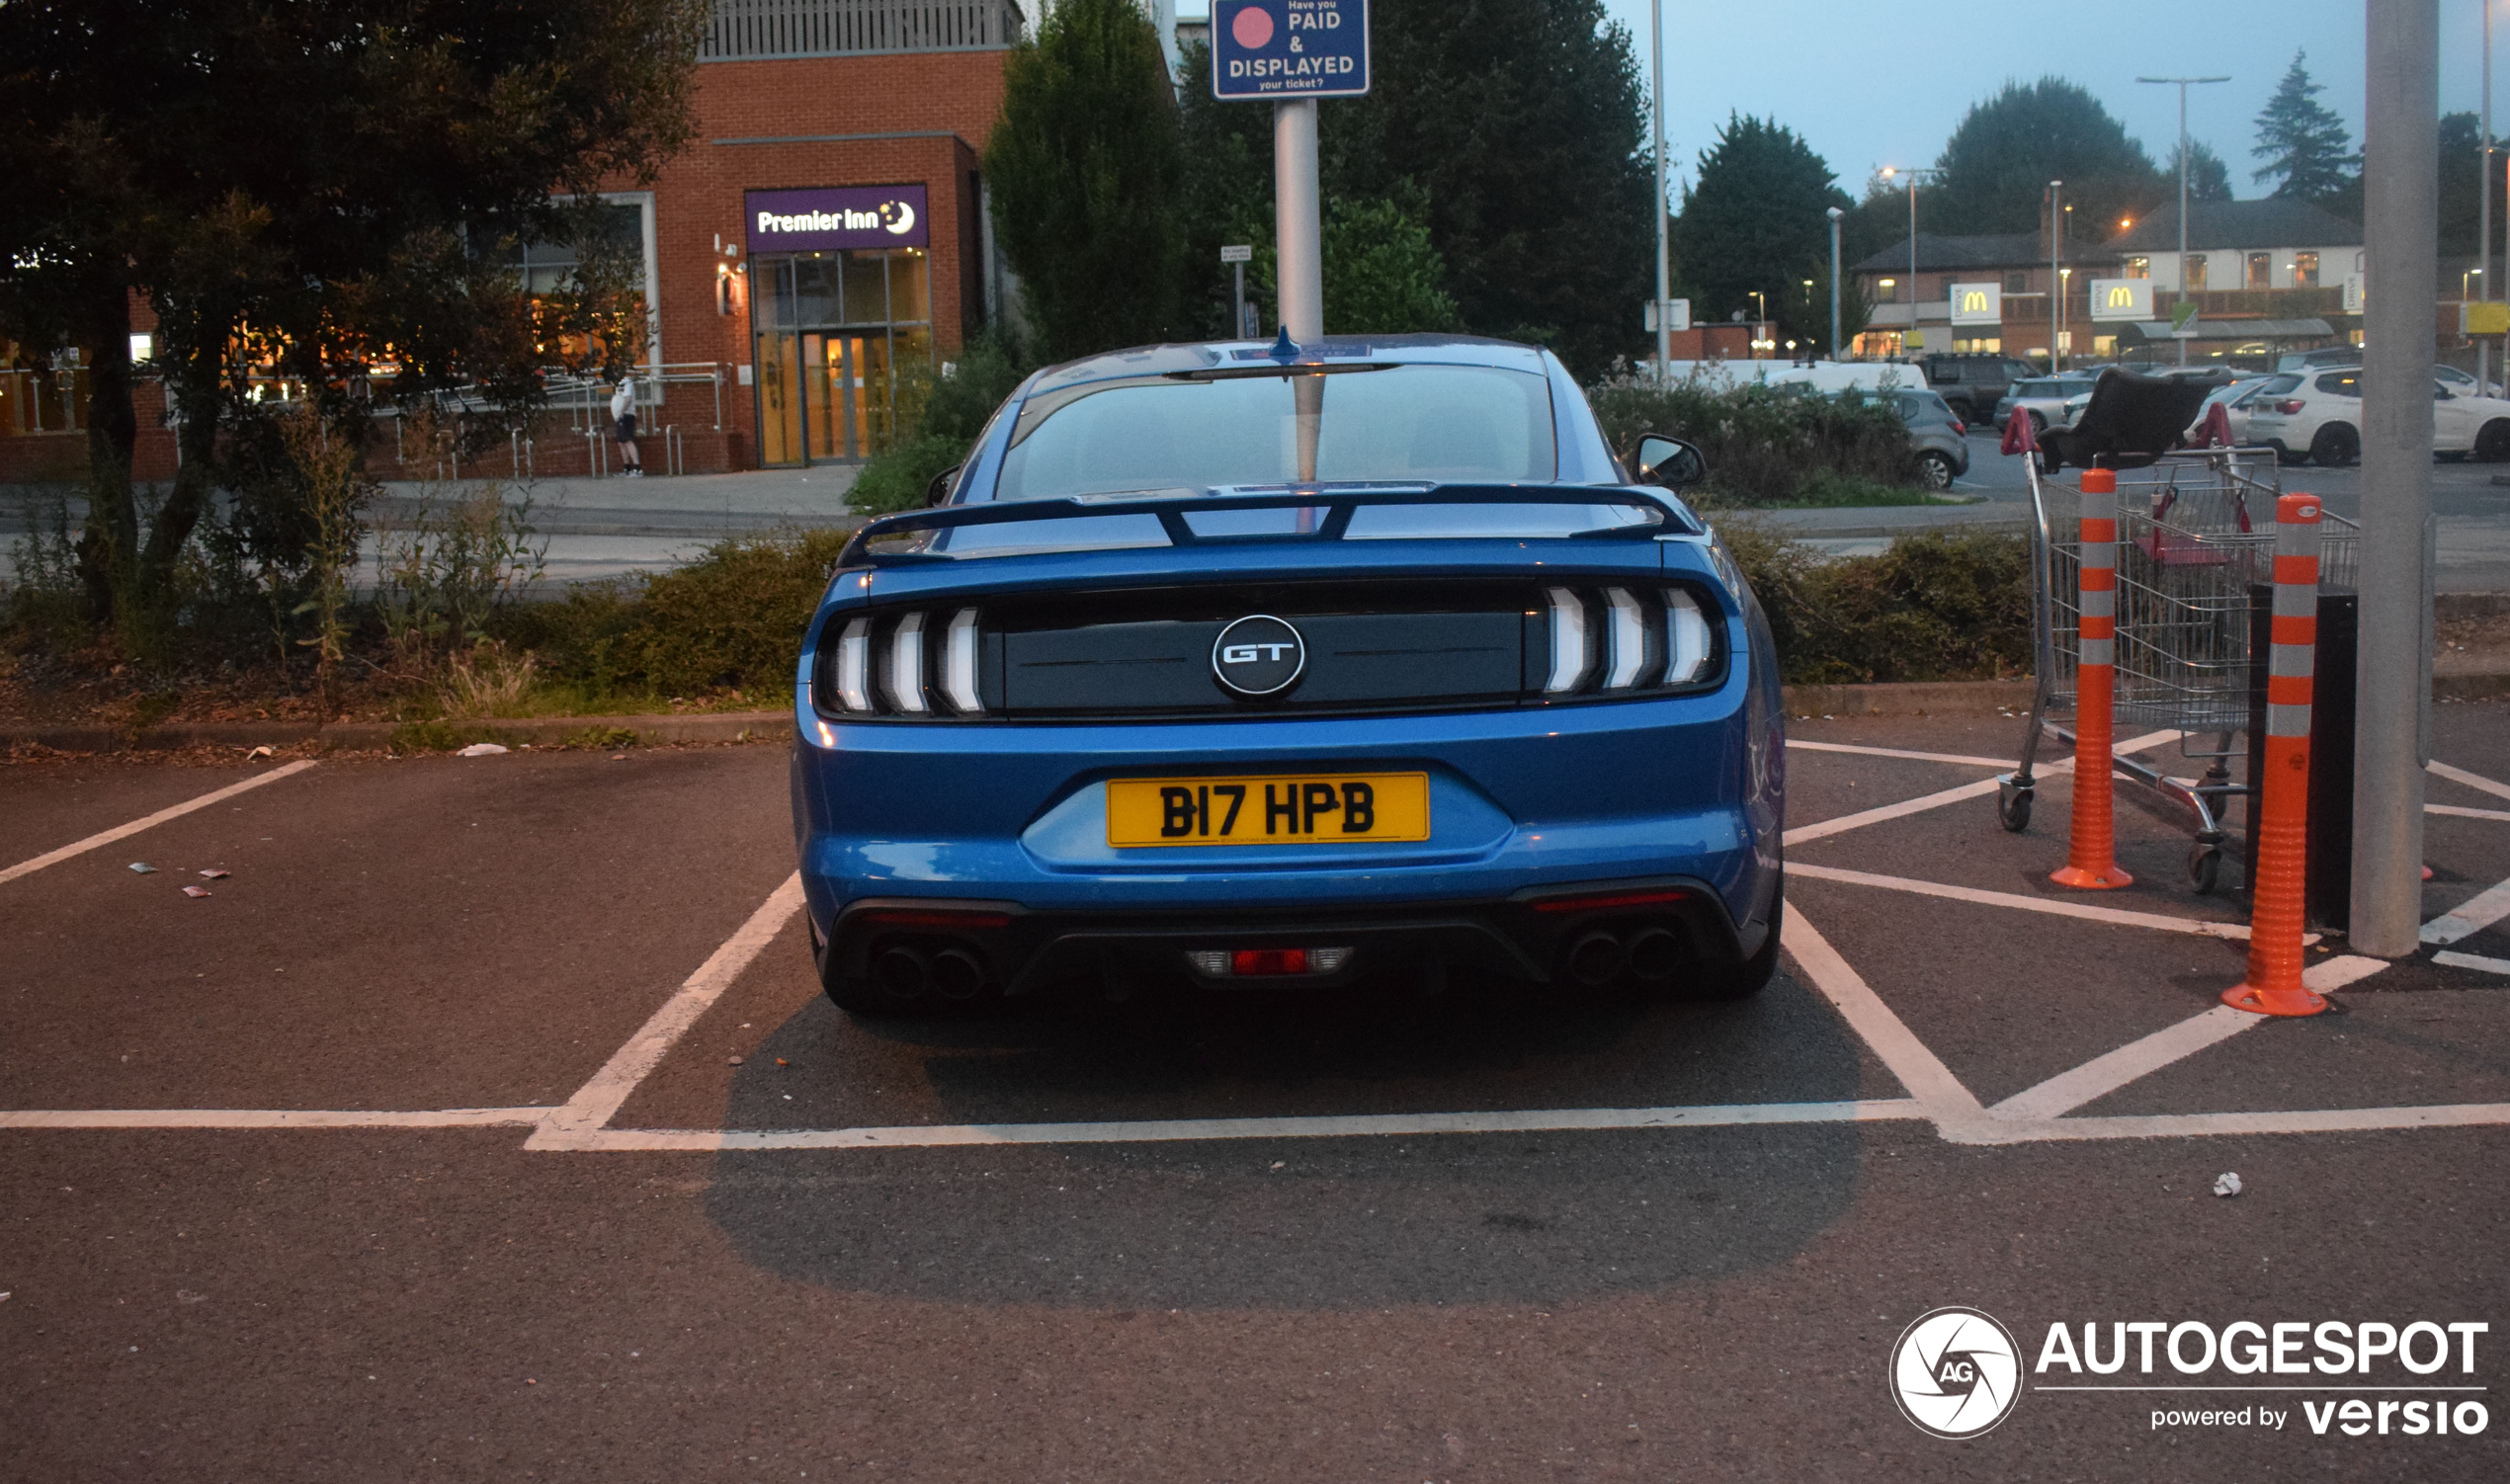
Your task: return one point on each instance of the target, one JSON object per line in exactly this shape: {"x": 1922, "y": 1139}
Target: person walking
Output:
{"x": 623, "y": 411}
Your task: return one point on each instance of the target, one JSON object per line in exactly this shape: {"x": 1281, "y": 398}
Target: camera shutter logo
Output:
{"x": 1259, "y": 655}
{"x": 1956, "y": 1373}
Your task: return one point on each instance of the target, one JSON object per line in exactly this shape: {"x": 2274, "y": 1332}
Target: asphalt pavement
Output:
{"x": 485, "y": 1122}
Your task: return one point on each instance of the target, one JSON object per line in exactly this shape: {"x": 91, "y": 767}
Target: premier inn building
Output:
{"x": 825, "y": 231}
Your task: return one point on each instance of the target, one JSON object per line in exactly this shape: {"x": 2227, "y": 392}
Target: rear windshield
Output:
{"x": 1387, "y": 424}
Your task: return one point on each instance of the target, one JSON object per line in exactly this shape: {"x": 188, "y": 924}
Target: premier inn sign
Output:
{"x": 836, "y": 218}
{"x": 2122, "y": 298}
{"x": 1978, "y": 303}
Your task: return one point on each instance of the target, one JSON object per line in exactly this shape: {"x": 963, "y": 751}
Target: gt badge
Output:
{"x": 1258, "y": 655}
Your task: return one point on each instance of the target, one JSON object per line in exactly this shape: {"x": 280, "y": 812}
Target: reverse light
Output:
{"x": 959, "y": 663}
{"x": 1569, "y": 642}
{"x": 853, "y": 666}
{"x": 906, "y": 665}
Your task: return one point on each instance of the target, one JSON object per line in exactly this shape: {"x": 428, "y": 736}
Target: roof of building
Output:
{"x": 2215, "y": 225}
{"x": 1939, "y": 252}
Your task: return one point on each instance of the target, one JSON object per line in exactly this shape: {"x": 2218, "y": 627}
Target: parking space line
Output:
{"x": 597, "y": 1099}
{"x": 2475, "y": 781}
{"x": 2106, "y": 1074}
{"x": 119, "y": 832}
{"x": 2473, "y": 961}
{"x": 2471, "y": 917}
{"x": 1895, "y": 752}
{"x": 268, "y": 1118}
{"x": 1176, "y": 1130}
{"x": 1901, "y": 1054}
{"x": 2120, "y": 916}
{"x": 2460, "y": 811}
{"x": 1805, "y": 833}
{"x": 2186, "y": 1125}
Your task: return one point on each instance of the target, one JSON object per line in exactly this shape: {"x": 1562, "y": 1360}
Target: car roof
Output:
{"x": 1165, "y": 360}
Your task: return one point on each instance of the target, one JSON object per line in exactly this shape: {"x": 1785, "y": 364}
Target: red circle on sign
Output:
{"x": 1253, "y": 27}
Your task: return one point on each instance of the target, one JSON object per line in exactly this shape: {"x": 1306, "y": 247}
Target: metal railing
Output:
{"x": 757, "y": 30}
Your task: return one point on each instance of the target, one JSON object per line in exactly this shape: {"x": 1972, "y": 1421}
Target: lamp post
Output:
{"x": 1889, "y": 172}
{"x": 1665, "y": 252}
{"x": 1835, "y": 214}
{"x": 2483, "y": 234}
{"x": 1760, "y": 321}
{"x": 2056, "y": 276}
{"x": 2185, "y": 83}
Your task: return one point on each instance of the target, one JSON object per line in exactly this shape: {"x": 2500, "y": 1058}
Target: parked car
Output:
{"x": 2237, "y": 398}
{"x": 2459, "y": 382}
{"x": 2045, "y": 398}
{"x": 1972, "y": 383}
{"x": 2321, "y": 420}
{"x": 1939, "y": 436}
{"x": 1235, "y": 668}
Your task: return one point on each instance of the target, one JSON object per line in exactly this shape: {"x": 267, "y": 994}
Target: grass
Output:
{"x": 1831, "y": 492}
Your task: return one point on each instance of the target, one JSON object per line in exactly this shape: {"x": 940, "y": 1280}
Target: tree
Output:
{"x": 321, "y": 187}
{"x": 1755, "y": 218}
{"x": 2461, "y": 186}
{"x": 1087, "y": 174}
{"x": 2304, "y": 145}
{"x": 1522, "y": 122}
{"x": 2209, "y": 179}
{"x": 1997, "y": 164}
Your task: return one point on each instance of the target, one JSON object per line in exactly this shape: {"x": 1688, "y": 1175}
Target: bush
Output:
{"x": 731, "y": 620}
{"x": 1940, "y": 606}
{"x": 896, "y": 480}
{"x": 1765, "y": 445}
{"x": 938, "y": 418}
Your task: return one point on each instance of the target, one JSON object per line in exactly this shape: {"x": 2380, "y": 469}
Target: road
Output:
{"x": 2472, "y": 509}
{"x": 485, "y": 1122}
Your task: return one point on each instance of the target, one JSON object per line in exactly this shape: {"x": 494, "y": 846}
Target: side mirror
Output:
{"x": 938, "y": 493}
{"x": 2441, "y": 394}
{"x": 1671, "y": 462}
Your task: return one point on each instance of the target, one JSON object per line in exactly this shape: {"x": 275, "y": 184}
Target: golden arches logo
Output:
{"x": 2121, "y": 297}
{"x": 1973, "y": 302}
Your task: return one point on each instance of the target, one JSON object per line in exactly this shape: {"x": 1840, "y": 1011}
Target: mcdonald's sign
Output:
{"x": 2122, "y": 298}
{"x": 1978, "y": 303}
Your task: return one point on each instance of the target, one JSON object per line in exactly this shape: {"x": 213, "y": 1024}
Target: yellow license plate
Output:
{"x": 1312, "y": 808}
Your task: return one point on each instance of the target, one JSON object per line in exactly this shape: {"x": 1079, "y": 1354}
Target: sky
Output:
{"x": 1869, "y": 85}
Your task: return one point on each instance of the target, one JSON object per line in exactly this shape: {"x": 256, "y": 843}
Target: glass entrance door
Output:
{"x": 826, "y": 362}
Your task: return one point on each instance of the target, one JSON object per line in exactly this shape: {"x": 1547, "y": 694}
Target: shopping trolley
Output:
{"x": 2196, "y": 551}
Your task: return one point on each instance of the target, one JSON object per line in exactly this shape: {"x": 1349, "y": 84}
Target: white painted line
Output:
{"x": 2187, "y": 1126}
{"x": 1802, "y": 834}
{"x": 2328, "y": 975}
{"x": 2473, "y": 961}
{"x": 2475, "y": 781}
{"x": 2463, "y": 812}
{"x": 269, "y": 1117}
{"x": 124, "y": 831}
{"x": 1148, "y": 1131}
{"x": 1895, "y": 752}
{"x": 1938, "y": 1092}
{"x": 2084, "y": 911}
{"x": 2106, "y": 1074}
{"x": 2471, "y": 917}
{"x": 595, "y": 1101}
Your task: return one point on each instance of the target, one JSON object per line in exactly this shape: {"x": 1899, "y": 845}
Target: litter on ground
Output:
{"x": 481, "y": 750}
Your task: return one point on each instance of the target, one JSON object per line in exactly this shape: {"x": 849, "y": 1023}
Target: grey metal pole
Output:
{"x": 2484, "y": 239}
{"x": 2393, "y": 675}
{"x": 2183, "y": 207}
{"x": 1912, "y": 258}
{"x": 1665, "y": 248}
{"x": 1297, "y": 220}
{"x": 1238, "y": 330}
{"x": 2056, "y": 277}
{"x": 1835, "y": 214}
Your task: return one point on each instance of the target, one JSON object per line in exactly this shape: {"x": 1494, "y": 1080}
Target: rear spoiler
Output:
{"x": 1338, "y": 504}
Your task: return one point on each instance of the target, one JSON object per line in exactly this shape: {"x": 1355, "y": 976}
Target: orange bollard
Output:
{"x": 2091, "y": 843}
{"x": 2279, "y": 874}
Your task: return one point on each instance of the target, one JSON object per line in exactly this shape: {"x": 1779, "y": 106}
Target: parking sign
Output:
{"x": 1271, "y": 49}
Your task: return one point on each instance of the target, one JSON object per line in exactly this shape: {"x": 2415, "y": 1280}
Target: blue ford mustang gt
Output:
{"x": 1242, "y": 666}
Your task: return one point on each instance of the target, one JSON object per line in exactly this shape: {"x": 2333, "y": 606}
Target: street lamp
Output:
{"x": 2185, "y": 83}
{"x": 1760, "y": 319}
{"x": 1835, "y": 214}
{"x": 1889, "y": 172}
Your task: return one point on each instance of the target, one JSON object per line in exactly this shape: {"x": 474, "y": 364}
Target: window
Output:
{"x": 1890, "y": 290}
{"x": 2139, "y": 268}
{"x": 608, "y": 268}
{"x": 1406, "y": 423}
{"x": 2305, "y": 269}
{"x": 2017, "y": 282}
{"x": 2342, "y": 383}
{"x": 2261, "y": 271}
{"x": 2196, "y": 273}
{"x": 833, "y": 329}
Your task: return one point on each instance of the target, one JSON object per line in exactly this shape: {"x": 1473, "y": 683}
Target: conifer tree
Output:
{"x": 2302, "y": 140}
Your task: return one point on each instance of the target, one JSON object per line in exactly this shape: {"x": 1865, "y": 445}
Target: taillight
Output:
{"x": 1645, "y": 641}
{"x": 903, "y": 664}
{"x": 2288, "y": 408}
{"x": 1958, "y": 427}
